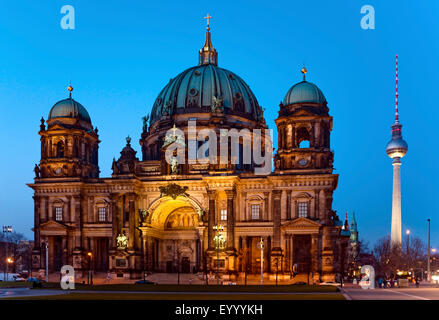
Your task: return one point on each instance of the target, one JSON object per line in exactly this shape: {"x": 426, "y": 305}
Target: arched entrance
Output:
{"x": 175, "y": 228}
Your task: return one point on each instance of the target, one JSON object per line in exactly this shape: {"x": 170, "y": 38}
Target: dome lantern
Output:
{"x": 208, "y": 54}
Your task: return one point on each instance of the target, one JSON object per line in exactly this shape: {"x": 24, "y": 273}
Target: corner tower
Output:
{"x": 69, "y": 144}
{"x": 304, "y": 127}
{"x": 396, "y": 149}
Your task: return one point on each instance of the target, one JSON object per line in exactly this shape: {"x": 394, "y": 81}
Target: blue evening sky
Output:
{"x": 122, "y": 53}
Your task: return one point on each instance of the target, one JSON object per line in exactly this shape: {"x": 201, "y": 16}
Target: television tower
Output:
{"x": 396, "y": 149}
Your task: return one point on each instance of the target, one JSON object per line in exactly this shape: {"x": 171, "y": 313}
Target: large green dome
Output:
{"x": 69, "y": 108}
{"x": 304, "y": 92}
{"x": 195, "y": 89}
{"x": 204, "y": 87}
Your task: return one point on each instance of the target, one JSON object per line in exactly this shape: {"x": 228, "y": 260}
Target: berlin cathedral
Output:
{"x": 156, "y": 216}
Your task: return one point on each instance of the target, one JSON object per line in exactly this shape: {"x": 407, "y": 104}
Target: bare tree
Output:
{"x": 388, "y": 256}
{"x": 393, "y": 257}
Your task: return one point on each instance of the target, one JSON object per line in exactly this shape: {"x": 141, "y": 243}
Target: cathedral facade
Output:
{"x": 158, "y": 215}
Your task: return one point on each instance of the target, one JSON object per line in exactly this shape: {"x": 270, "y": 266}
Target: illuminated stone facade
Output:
{"x": 151, "y": 216}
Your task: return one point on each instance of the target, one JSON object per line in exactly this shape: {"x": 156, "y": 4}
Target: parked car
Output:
{"x": 144, "y": 282}
{"x": 300, "y": 283}
{"x": 11, "y": 277}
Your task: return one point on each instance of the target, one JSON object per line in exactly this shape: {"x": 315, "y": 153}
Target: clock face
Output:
{"x": 303, "y": 162}
{"x": 58, "y": 171}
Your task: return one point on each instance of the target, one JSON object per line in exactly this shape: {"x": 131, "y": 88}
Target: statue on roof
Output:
{"x": 217, "y": 104}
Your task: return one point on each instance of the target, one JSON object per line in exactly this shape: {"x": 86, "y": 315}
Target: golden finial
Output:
{"x": 208, "y": 54}
{"x": 208, "y": 17}
{"x": 304, "y": 71}
{"x": 70, "y": 88}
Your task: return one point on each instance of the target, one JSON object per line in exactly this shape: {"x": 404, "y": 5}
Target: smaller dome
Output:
{"x": 304, "y": 92}
{"x": 69, "y": 108}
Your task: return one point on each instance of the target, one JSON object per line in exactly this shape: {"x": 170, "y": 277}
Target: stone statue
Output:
{"x": 122, "y": 241}
{"x": 143, "y": 215}
{"x": 167, "y": 109}
{"x": 220, "y": 241}
{"x": 114, "y": 167}
{"x": 37, "y": 171}
{"x": 42, "y": 126}
{"x": 145, "y": 122}
{"x": 174, "y": 165}
{"x": 200, "y": 213}
{"x": 259, "y": 114}
{"x": 217, "y": 104}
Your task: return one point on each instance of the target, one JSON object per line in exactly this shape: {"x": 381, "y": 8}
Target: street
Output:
{"x": 424, "y": 292}
{"x": 27, "y": 292}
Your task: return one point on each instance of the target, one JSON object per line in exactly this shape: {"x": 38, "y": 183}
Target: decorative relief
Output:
{"x": 173, "y": 190}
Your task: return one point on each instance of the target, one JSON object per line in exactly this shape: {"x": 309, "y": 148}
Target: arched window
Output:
{"x": 60, "y": 149}
{"x": 303, "y": 138}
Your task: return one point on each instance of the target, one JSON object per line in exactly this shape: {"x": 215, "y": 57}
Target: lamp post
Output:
{"x": 428, "y": 254}
{"x": 218, "y": 240}
{"x": 90, "y": 276}
{"x": 47, "y": 259}
{"x": 8, "y": 262}
{"x": 408, "y": 249}
{"x": 6, "y": 230}
{"x": 142, "y": 248}
{"x": 261, "y": 244}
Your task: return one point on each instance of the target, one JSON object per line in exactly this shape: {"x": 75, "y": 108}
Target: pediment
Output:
{"x": 52, "y": 225}
{"x": 302, "y": 223}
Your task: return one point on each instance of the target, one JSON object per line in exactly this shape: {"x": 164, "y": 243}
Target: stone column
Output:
{"x": 322, "y": 206}
{"x": 270, "y": 206}
{"x": 36, "y": 221}
{"x": 293, "y": 208}
{"x": 43, "y": 209}
{"x": 287, "y": 251}
{"x": 211, "y": 219}
{"x": 71, "y": 212}
{"x": 312, "y": 136}
{"x": 116, "y": 211}
{"x": 314, "y": 253}
{"x": 64, "y": 250}
{"x": 293, "y": 138}
{"x": 243, "y": 211}
{"x": 231, "y": 219}
{"x": 292, "y": 251}
{"x": 264, "y": 215}
{"x": 49, "y": 210}
{"x": 328, "y": 206}
{"x": 132, "y": 221}
{"x": 288, "y": 205}
{"x": 276, "y": 209}
{"x": 78, "y": 222}
{"x": 317, "y": 204}
{"x": 283, "y": 204}
{"x": 313, "y": 212}
{"x": 276, "y": 250}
